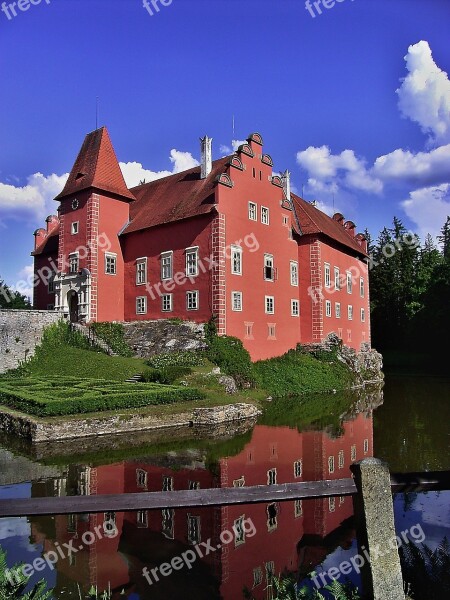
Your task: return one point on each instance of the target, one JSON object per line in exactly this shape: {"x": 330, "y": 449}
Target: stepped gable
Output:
{"x": 314, "y": 221}
{"x": 96, "y": 167}
{"x": 175, "y": 197}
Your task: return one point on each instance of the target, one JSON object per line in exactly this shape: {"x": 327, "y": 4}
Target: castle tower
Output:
{"x": 94, "y": 207}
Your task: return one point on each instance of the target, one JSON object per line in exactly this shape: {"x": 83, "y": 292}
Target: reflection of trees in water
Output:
{"x": 426, "y": 571}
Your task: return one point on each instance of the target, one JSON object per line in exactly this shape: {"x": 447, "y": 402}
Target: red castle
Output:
{"x": 227, "y": 239}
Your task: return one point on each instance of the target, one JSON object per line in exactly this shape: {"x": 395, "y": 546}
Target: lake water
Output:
{"x": 407, "y": 424}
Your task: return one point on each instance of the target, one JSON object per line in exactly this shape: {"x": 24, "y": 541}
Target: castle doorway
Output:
{"x": 72, "y": 300}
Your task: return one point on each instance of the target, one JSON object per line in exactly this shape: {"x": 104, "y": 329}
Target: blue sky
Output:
{"x": 354, "y": 101}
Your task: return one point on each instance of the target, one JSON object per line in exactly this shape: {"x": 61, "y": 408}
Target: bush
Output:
{"x": 176, "y": 359}
{"x": 113, "y": 334}
{"x": 229, "y": 354}
{"x": 55, "y": 397}
{"x": 60, "y": 334}
{"x": 166, "y": 375}
{"x": 296, "y": 372}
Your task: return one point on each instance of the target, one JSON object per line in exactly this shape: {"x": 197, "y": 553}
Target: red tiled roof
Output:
{"x": 50, "y": 244}
{"x": 314, "y": 221}
{"x": 96, "y": 167}
{"x": 173, "y": 198}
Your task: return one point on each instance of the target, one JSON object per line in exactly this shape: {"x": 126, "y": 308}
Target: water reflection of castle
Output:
{"x": 291, "y": 535}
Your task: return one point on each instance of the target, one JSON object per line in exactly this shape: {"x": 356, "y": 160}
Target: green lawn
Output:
{"x": 77, "y": 362}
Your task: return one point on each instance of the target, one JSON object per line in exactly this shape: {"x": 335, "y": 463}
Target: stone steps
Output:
{"x": 135, "y": 379}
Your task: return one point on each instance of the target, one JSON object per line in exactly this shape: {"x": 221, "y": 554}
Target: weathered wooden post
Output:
{"x": 377, "y": 543}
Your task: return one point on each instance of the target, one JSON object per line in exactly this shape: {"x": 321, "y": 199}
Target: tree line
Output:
{"x": 410, "y": 292}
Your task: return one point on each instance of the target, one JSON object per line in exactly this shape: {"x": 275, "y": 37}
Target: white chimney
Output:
{"x": 286, "y": 179}
{"x": 206, "y": 162}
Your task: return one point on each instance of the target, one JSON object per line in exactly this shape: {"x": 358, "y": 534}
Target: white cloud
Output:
{"x": 343, "y": 169}
{"x": 421, "y": 168}
{"x": 34, "y": 198}
{"x": 135, "y": 172}
{"x": 225, "y": 150}
{"x": 424, "y": 95}
{"x": 428, "y": 208}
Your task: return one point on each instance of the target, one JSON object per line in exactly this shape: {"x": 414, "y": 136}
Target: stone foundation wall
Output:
{"x": 20, "y": 332}
{"x": 147, "y": 338}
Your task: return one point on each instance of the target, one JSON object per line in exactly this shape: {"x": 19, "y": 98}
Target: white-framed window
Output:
{"x": 271, "y": 331}
{"x": 194, "y": 485}
{"x": 141, "y": 478}
{"x": 272, "y": 513}
{"x": 168, "y": 523}
{"x": 327, "y": 275}
{"x": 141, "y": 305}
{"x": 239, "y": 531}
{"x": 191, "y": 262}
{"x": 51, "y": 284}
{"x": 295, "y": 308}
{"x": 192, "y": 300}
{"x": 167, "y": 302}
{"x": 337, "y": 279}
{"x": 110, "y": 518}
{"x": 337, "y": 310}
{"x": 167, "y": 265}
{"x": 350, "y": 312}
{"x": 74, "y": 262}
{"x": 331, "y": 464}
{"x": 270, "y": 570}
{"x": 167, "y": 485}
{"x": 264, "y": 215}
{"x": 298, "y": 468}
{"x": 110, "y": 263}
{"x": 257, "y": 576}
{"x": 328, "y": 308}
{"x": 272, "y": 476}
{"x": 349, "y": 335}
{"x": 285, "y": 220}
{"x": 270, "y": 305}
{"x": 298, "y": 509}
{"x": 294, "y": 272}
{"x": 331, "y": 504}
{"x": 269, "y": 271}
{"x": 366, "y": 446}
{"x": 363, "y": 315}
{"x": 341, "y": 459}
{"x": 72, "y": 520}
{"x": 361, "y": 287}
{"x": 193, "y": 528}
{"x": 248, "y": 331}
{"x": 353, "y": 453}
{"x": 75, "y": 227}
{"x": 236, "y": 260}
{"x": 141, "y": 271}
{"x": 252, "y": 211}
{"x": 349, "y": 283}
{"x": 142, "y": 518}
{"x": 341, "y": 500}
{"x": 236, "y": 301}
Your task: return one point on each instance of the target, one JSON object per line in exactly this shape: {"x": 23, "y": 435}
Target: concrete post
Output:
{"x": 374, "y": 515}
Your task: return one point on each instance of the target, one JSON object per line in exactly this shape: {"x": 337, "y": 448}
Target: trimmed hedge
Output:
{"x": 67, "y": 396}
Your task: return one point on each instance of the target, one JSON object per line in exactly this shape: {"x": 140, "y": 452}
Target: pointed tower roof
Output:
{"x": 96, "y": 167}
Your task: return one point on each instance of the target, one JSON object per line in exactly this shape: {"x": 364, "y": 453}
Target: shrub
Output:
{"x": 166, "y": 375}
{"x": 296, "y": 372}
{"x": 176, "y": 359}
{"x": 229, "y": 354}
{"x": 113, "y": 334}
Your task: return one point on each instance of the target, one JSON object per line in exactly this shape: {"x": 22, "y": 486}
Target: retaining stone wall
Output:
{"x": 20, "y": 332}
